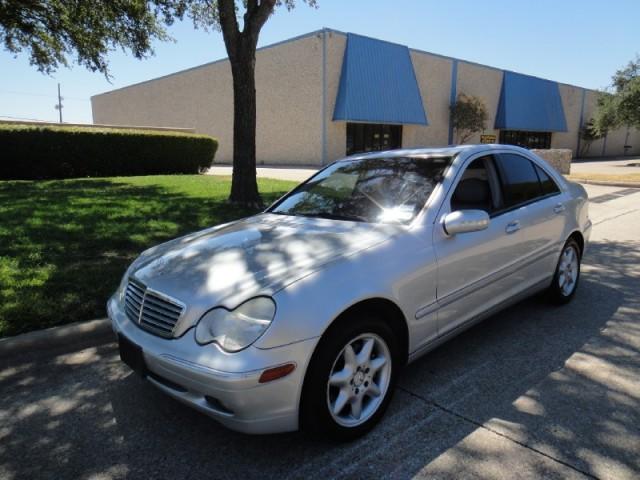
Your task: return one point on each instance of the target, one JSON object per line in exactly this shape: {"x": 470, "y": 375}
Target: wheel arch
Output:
{"x": 391, "y": 312}
{"x": 579, "y": 238}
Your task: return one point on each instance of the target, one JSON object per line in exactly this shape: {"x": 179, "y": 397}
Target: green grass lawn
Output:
{"x": 64, "y": 244}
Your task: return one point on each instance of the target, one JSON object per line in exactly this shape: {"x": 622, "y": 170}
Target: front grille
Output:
{"x": 152, "y": 311}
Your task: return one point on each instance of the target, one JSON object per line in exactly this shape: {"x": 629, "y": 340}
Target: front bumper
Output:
{"x": 222, "y": 385}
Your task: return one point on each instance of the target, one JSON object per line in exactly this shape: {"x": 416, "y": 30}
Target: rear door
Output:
{"x": 540, "y": 204}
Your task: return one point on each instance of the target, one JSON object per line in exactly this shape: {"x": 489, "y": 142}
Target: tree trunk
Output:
{"x": 244, "y": 187}
{"x": 241, "y": 47}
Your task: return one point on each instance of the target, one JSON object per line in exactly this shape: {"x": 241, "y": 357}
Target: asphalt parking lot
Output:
{"x": 535, "y": 391}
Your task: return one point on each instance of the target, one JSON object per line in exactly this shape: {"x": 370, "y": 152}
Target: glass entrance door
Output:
{"x": 372, "y": 137}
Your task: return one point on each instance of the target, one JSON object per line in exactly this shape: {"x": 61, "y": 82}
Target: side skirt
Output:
{"x": 538, "y": 287}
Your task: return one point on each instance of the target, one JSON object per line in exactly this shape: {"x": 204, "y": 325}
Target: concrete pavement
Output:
{"x": 297, "y": 174}
{"x": 535, "y": 391}
{"x": 608, "y": 167}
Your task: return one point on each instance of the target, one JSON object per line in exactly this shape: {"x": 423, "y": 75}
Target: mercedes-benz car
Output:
{"x": 303, "y": 316}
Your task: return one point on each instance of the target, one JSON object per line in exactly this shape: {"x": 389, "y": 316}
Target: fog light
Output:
{"x": 217, "y": 405}
{"x": 274, "y": 373}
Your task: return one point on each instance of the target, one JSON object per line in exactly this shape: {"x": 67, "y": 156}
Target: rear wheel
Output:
{"x": 565, "y": 281}
{"x": 351, "y": 378}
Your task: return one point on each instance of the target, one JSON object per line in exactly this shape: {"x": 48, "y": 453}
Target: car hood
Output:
{"x": 259, "y": 255}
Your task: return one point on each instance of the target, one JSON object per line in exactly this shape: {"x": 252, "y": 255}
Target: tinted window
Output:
{"x": 549, "y": 187}
{"x": 519, "y": 179}
{"x": 386, "y": 190}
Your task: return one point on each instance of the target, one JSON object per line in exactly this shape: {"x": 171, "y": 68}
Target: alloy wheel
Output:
{"x": 359, "y": 379}
{"x": 568, "y": 270}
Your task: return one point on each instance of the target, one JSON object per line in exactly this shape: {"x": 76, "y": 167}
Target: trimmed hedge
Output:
{"x": 41, "y": 152}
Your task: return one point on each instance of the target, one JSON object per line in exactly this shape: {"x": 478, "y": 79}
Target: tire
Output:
{"x": 320, "y": 412}
{"x": 567, "y": 274}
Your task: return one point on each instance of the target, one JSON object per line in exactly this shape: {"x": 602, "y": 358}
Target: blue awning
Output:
{"x": 531, "y": 104}
{"x": 378, "y": 84}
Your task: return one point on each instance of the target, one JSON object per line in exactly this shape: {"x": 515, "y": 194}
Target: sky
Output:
{"x": 580, "y": 42}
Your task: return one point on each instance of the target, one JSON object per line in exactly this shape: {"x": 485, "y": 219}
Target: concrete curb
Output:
{"x": 605, "y": 183}
{"x": 97, "y": 331}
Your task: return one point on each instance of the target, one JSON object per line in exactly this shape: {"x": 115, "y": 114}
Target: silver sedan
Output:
{"x": 303, "y": 316}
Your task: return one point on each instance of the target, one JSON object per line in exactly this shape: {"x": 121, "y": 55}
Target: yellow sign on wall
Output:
{"x": 487, "y": 139}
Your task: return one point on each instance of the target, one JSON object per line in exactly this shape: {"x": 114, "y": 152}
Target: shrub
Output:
{"x": 469, "y": 116}
{"x": 31, "y": 152}
{"x": 588, "y": 134}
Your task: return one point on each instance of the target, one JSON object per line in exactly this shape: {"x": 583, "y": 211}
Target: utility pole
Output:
{"x": 59, "y": 104}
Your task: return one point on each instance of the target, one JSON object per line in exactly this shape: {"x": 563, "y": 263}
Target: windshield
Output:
{"x": 376, "y": 190}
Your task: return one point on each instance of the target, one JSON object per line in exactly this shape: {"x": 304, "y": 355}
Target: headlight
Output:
{"x": 239, "y": 328}
{"x": 123, "y": 282}
{"x": 123, "y": 286}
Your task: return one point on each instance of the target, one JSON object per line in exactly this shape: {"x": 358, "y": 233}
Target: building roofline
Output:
{"x": 470, "y": 62}
{"x": 491, "y": 67}
{"x": 220, "y": 60}
{"x": 338, "y": 32}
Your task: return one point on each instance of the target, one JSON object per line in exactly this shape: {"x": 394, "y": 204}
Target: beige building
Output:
{"x": 327, "y": 94}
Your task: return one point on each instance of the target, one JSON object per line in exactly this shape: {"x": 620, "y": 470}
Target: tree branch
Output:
{"x": 251, "y": 6}
{"x": 256, "y": 17}
{"x": 229, "y": 26}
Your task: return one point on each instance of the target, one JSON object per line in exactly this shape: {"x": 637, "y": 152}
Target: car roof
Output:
{"x": 434, "y": 151}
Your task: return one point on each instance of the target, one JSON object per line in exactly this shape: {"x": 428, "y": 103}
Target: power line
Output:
{"x": 11, "y": 117}
{"x": 31, "y": 94}
{"x": 25, "y": 93}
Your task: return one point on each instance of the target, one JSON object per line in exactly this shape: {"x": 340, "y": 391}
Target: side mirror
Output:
{"x": 464, "y": 221}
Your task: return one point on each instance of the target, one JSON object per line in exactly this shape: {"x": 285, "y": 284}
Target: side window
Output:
{"x": 473, "y": 191}
{"x": 549, "y": 187}
{"x": 520, "y": 182}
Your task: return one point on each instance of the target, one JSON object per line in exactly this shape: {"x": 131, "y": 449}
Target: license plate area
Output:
{"x": 132, "y": 355}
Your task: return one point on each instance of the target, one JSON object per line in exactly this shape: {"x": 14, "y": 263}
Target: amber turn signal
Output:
{"x": 274, "y": 373}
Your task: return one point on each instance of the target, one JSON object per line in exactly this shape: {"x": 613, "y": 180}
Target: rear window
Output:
{"x": 548, "y": 186}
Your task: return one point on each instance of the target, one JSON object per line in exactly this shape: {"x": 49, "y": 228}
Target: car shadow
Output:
{"x": 552, "y": 390}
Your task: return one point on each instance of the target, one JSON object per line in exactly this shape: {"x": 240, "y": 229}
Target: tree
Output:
{"x": 629, "y": 103}
{"x": 588, "y": 134}
{"x": 627, "y": 74}
{"x": 241, "y": 47}
{"x": 53, "y": 30}
{"x": 622, "y": 106}
{"x": 606, "y": 117}
{"x": 468, "y": 116}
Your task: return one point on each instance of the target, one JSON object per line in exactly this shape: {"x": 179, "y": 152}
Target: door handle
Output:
{"x": 512, "y": 227}
{"x": 559, "y": 208}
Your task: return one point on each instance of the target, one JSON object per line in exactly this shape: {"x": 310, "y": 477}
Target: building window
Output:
{"x": 372, "y": 137}
{"x": 526, "y": 139}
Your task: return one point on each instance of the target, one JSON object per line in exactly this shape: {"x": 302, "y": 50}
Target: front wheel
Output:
{"x": 350, "y": 379}
{"x": 565, "y": 281}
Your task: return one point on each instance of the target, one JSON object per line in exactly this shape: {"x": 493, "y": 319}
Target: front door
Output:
{"x": 475, "y": 269}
